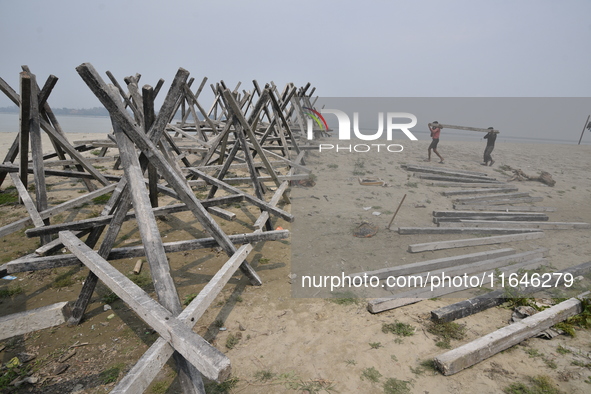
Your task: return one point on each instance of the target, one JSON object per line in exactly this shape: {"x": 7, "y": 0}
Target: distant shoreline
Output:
{"x": 81, "y": 113}
{"x": 80, "y": 123}
{"x": 73, "y": 115}
{"x": 93, "y": 112}
{"x": 72, "y": 123}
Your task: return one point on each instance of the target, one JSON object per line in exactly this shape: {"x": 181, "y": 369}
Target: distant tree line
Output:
{"x": 96, "y": 111}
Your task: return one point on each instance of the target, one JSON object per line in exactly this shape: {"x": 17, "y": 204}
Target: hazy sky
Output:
{"x": 344, "y": 48}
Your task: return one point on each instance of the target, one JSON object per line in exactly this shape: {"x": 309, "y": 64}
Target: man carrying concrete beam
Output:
{"x": 491, "y": 137}
{"x": 435, "y": 131}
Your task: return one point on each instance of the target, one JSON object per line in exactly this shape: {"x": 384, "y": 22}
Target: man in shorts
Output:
{"x": 490, "y": 137}
{"x": 435, "y": 130}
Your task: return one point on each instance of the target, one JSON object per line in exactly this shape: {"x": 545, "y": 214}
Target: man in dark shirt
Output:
{"x": 435, "y": 131}
{"x": 490, "y": 145}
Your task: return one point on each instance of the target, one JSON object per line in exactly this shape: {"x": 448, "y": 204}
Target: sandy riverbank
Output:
{"x": 315, "y": 342}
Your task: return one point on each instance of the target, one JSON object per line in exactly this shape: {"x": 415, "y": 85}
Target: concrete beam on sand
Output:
{"x": 514, "y": 218}
{"x": 482, "y": 302}
{"x": 449, "y": 126}
{"x": 484, "y": 347}
{"x": 479, "y": 191}
{"x": 457, "y": 213}
{"x": 512, "y": 224}
{"x": 420, "y": 174}
{"x": 461, "y": 243}
{"x": 469, "y": 185}
{"x": 439, "y": 170}
{"x": 486, "y": 263}
{"x": 502, "y": 201}
{"x": 33, "y": 320}
{"x": 492, "y": 197}
{"x": 455, "y": 178}
{"x": 506, "y": 208}
{"x": 422, "y": 293}
{"x": 463, "y": 230}
{"x": 446, "y": 262}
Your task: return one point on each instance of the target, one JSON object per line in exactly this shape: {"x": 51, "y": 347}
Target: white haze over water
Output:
{"x": 531, "y": 119}
{"x": 70, "y": 124}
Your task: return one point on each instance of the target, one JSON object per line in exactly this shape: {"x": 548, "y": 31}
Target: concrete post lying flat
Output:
{"x": 484, "y": 347}
{"x": 36, "y": 319}
{"x": 461, "y": 243}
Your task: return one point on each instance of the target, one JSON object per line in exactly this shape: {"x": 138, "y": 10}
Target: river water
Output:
{"x": 9, "y": 122}
{"x": 70, "y": 124}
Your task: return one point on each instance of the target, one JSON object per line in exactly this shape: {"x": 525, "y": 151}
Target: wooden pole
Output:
{"x": 19, "y": 224}
{"x": 584, "y": 127}
{"x": 148, "y": 105}
{"x": 92, "y": 279}
{"x": 193, "y": 98}
{"x": 27, "y": 201}
{"x": 10, "y": 156}
{"x": 136, "y": 97}
{"x": 106, "y": 218}
{"x": 155, "y": 253}
{"x": 36, "y": 263}
{"x": 37, "y": 154}
{"x": 253, "y": 200}
{"x": 210, "y": 361}
{"x": 397, "y": 209}
{"x": 146, "y": 145}
{"x": 147, "y": 367}
{"x": 44, "y": 108}
{"x": 25, "y": 115}
{"x": 126, "y": 97}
